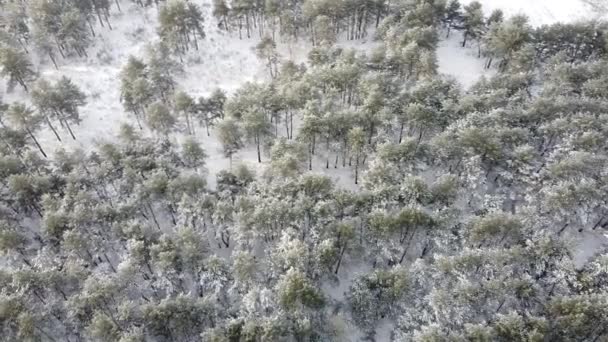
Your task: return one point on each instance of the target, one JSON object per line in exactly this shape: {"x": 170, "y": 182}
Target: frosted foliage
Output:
{"x": 303, "y": 170}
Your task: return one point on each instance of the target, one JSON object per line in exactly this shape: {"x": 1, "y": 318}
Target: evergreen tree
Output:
{"x": 181, "y": 24}
{"x": 159, "y": 118}
{"x": 16, "y": 66}
{"x": 60, "y": 102}
{"x": 356, "y": 140}
{"x": 453, "y": 16}
{"x": 25, "y": 119}
{"x": 472, "y": 22}
{"x": 229, "y": 136}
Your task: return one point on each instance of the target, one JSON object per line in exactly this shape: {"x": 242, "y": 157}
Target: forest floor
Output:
{"x": 545, "y": 12}
{"x": 227, "y": 62}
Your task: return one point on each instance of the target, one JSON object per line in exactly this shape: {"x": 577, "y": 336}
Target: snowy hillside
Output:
{"x": 544, "y": 12}
{"x": 226, "y": 62}
{"x": 223, "y": 62}
{"x": 404, "y": 204}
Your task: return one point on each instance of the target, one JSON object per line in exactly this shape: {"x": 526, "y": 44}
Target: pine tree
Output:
{"x": 16, "y": 66}
{"x": 159, "y": 118}
{"x": 60, "y": 101}
{"x": 473, "y": 22}
{"x": 16, "y": 18}
{"x": 453, "y": 16}
{"x": 184, "y": 105}
{"x": 193, "y": 154}
{"x": 356, "y": 141}
{"x": 266, "y": 50}
{"x": 229, "y": 136}
{"x": 181, "y": 24}
{"x": 25, "y": 119}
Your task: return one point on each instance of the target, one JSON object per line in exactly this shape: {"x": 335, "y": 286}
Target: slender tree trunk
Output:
{"x": 407, "y": 246}
{"x": 153, "y": 215}
{"x": 106, "y": 16}
{"x": 340, "y": 259}
{"x": 36, "y": 142}
{"x": 22, "y": 83}
{"x": 310, "y": 157}
{"x": 23, "y": 46}
{"x": 188, "y": 123}
{"x": 287, "y": 123}
{"x": 67, "y": 125}
{"x": 138, "y": 120}
{"x": 109, "y": 262}
{"x": 291, "y": 125}
{"x": 357, "y": 169}
{"x": 327, "y": 154}
{"x": 52, "y": 57}
{"x": 48, "y": 122}
{"x": 257, "y": 140}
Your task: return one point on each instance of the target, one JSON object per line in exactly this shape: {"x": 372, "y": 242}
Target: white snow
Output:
{"x": 225, "y": 61}
{"x": 461, "y": 63}
{"x": 544, "y": 12}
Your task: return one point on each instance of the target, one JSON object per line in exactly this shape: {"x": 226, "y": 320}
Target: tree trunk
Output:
{"x": 257, "y": 140}
{"x": 108, "y": 21}
{"x": 53, "y": 60}
{"x": 188, "y": 123}
{"x": 327, "y": 154}
{"x": 340, "y": 259}
{"x": 310, "y": 158}
{"x": 291, "y": 125}
{"x": 36, "y": 142}
{"x": 67, "y": 125}
{"x": 153, "y": 215}
{"x": 287, "y": 123}
{"x": 52, "y": 128}
{"x": 357, "y": 169}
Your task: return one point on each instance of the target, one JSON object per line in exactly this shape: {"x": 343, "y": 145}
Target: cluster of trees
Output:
{"x": 514, "y": 38}
{"x": 293, "y": 18}
{"x": 459, "y": 228}
{"x": 181, "y": 25}
{"x": 148, "y": 91}
{"x": 66, "y": 28}
{"x": 57, "y": 102}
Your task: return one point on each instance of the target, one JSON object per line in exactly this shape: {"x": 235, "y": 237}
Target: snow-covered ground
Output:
{"x": 224, "y": 61}
{"x": 464, "y": 65}
{"x": 461, "y": 63}
{"x": 545, "y": 12}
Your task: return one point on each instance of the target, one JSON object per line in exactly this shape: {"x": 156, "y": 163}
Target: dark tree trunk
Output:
{"x": 36, "y": 142}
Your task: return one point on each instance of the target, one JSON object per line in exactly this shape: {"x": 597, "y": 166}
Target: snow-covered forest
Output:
{"x": 304, "y": 170}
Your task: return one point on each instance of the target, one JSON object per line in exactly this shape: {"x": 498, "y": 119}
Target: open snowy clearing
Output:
{"x": 545, "y": 12}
